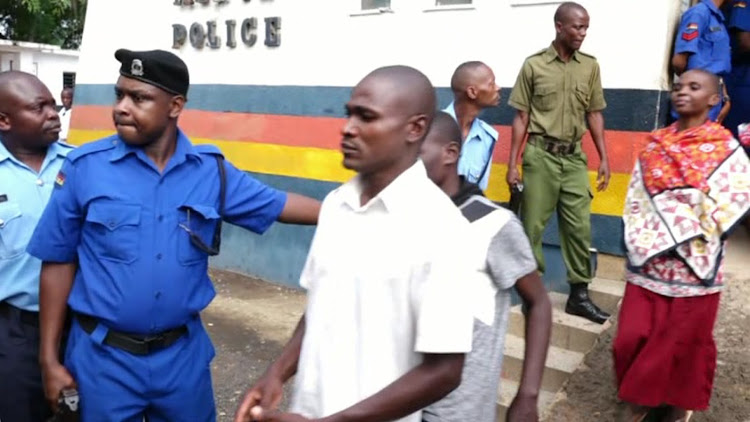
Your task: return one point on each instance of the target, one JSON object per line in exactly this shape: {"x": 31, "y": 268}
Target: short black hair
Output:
{"x": 447, "y": 127}
{"x": 463, "y": 73}
{"x": 562, "y": 12}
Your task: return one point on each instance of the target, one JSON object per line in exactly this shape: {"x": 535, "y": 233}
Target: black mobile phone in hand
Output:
{"x": 68, "y": 406}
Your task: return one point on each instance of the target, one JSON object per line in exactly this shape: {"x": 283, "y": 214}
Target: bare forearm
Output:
{"x": 538, "y": 326}
{"x": 55, "y": 282}
{"x": 300, "y": 210}
{"x": 286, "y": 364}
{"x": 518, "y": 133}
{"x": 427, "y": 383}
{"x": 596, "y": 126}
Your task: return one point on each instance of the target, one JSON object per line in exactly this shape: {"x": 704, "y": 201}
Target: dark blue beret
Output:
{"x": 156, "y": 67}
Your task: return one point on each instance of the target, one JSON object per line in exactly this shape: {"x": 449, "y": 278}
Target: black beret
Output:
{"x": 156, "y": 67}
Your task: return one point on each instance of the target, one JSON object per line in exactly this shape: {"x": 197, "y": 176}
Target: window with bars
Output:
{"x": 375, "y": 4}
{"x": 69, "y": 79}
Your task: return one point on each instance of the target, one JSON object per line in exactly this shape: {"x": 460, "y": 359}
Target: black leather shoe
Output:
{"x": 580, "y": 304}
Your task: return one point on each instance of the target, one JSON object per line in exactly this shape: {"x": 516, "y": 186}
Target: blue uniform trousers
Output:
{"x": 738, "y": 86}
{"x": 171, "y": 384}
{"x": 21, "y": 393}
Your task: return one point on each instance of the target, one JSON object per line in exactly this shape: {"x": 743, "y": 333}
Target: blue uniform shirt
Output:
{"x": 702, "y": 33}
{"x": 126, "y": 224}
{"x": 476, "y": 151}
{"x": 23, "y": 195}
{"x": 738, "y": 82}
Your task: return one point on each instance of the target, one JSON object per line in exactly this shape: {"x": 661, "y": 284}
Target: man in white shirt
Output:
{"x": 388, "y": 322}
{"x": 66, "y": 96}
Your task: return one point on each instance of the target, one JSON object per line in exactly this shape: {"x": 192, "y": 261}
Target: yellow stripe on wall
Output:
{"x": 325, "y": 165}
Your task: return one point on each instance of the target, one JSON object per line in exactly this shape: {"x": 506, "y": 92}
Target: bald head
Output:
{"x": 413, "y": 90}
{"x": 444, "y": 130}
{"x": 565, "y": 11}
{"x": 12, "y": 84}
{"x": 710, "y": 80}
{"x": 466, "y": 74}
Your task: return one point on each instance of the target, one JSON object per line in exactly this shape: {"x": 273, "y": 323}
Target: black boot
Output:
{"x": 579, "y": 304}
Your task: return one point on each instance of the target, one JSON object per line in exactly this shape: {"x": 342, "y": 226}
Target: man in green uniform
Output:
{"x": 557, "y": 92}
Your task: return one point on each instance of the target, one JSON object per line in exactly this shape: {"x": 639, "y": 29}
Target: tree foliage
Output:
{"x": 57, "y": 22}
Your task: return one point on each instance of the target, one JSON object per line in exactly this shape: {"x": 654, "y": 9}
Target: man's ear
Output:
{"x": 176, "y": 105}
{"x": 471, "y": 92}
{"x": 451, "y": 153}
{"x": 715, "y": 99}
{"x": 418, "y": 127}
{"x": 4, "y": 122}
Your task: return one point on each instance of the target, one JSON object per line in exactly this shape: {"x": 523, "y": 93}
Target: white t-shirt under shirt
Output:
{"x": 64, "y": 123}
{"x": 384, "y": 285}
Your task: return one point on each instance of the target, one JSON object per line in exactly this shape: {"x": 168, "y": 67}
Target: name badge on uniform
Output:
{"x": 714, "y": 29}
{"x": 3, "y": 198}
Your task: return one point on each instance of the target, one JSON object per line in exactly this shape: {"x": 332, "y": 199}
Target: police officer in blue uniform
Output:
{"x": 702, "y": 42}
{"x": 125, "y": 242}
{"x": 738, "y": 82}
{"x": 30, "y": 158}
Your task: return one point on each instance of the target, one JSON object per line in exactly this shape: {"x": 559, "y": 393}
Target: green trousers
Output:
{"x": 560, "y": 182}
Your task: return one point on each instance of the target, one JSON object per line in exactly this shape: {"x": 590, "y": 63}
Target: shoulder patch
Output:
{"x": 104, "y": 144}
{"x": 208, "y": 149}
{"x": 477, "y": 207}
{"x": 587, "y": 55}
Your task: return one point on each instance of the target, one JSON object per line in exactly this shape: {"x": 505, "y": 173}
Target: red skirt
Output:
{"x": 664, "y": 352}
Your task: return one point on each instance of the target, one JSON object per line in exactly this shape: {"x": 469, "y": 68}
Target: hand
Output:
{"x": 512, "y": 177}
{"x": 56, "y": 378}
{"x": 264, "y": 395}
{"x": 602, "y": 179}
{"x": 523, "y": 409}
{"x": 276, "y": 416}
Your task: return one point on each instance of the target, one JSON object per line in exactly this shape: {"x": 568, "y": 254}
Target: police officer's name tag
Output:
{"x": 715, "y": 29}
{"x": 3, "y": 198}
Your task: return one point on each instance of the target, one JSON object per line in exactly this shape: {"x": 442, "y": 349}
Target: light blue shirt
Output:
{"x": 23, "y": 195}
{"x": 476, "y": 151}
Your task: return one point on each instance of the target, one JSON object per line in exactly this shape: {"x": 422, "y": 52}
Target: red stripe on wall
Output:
{"x": 325, "y": 132}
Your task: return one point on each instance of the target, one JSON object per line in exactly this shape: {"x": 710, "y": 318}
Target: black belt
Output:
{"x": 553, "y": 146}
{"x": 135, "y": 344}
{"x": 27, "y": 317}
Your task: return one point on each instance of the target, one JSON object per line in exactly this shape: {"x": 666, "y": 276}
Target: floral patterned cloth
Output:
{"x": 687, "y": 191}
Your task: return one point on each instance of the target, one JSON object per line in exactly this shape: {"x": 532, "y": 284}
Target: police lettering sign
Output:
{"x": 209, "y": 34}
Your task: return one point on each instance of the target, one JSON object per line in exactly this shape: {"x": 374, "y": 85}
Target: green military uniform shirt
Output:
{"x": 557, "y": 95}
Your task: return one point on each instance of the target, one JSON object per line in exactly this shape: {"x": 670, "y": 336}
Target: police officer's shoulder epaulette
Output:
{"x": 93, "y": 147}
{"x": 590, "y": 56}
{"x": 65, "y": 145}
{"x": 208, "y": 149}
{"x": 538, "y": 53}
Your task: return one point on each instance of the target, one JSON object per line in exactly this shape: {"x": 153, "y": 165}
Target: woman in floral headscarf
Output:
{"x": 690, "y": 188}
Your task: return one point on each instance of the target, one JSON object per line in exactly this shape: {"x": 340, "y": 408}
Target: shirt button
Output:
{"x": 157, "y": 295}
{"x": 2, "y": 222}
{"x": 39, "y": 182}
{"x": 111, "y": 224}
{"x": 160, "y": 218}
{"x": 158, "y": 256}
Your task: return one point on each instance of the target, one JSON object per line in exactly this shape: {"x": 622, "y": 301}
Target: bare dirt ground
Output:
{"x": 590, "y": 394}
{"x": 249, "y": 322}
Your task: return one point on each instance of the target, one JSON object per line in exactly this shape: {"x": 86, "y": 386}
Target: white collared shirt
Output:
{"x": 385, "y": 285}
{"x": 64, "y": 123}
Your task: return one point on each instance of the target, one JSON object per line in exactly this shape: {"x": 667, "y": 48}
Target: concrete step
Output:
{"x": 558, "y": 367}
{"x": 568, "y": 332}
{"x": 606, "y": 293}
{"x": 507, "y": 393}
{"x": 611, "y": 267}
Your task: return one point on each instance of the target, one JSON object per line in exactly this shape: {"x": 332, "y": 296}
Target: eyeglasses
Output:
{"x": 212, "y": 250}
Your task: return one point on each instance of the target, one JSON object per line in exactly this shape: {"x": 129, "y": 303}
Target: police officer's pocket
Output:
{"x": 719, "y": 40}
{"x": 583, "y": 94}
{"x": 199, "y": 221}
{"x": 12, "y": 238}
{"x": 114, "y": 230}
{"x": 544, "y": 98}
